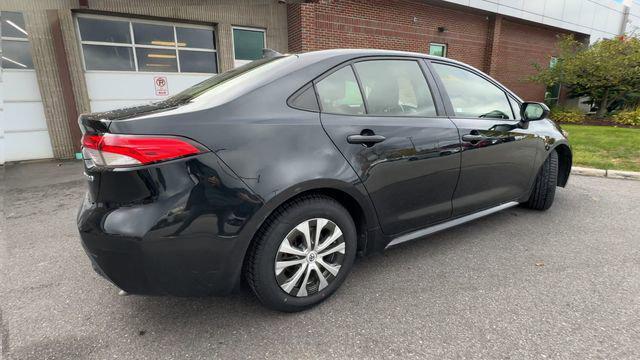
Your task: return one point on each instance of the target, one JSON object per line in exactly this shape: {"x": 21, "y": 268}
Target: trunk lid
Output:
{"x": 99, "y": 122}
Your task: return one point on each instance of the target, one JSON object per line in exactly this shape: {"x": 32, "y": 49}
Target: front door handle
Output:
{"x": 365, "y": 139}
{"x": 473, "y": 137}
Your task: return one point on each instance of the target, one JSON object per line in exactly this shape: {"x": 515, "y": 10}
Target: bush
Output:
{"x": 567, "y": 115}
{"x": 627, "y": 117}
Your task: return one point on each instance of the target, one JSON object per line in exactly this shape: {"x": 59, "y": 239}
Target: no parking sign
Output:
{"x": 161, "y": 85}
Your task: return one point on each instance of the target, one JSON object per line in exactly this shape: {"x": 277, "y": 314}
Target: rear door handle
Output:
{"x": 365, "y": 139}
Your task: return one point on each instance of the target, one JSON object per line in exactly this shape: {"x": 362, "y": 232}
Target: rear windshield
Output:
{"x": 235, "y": 77}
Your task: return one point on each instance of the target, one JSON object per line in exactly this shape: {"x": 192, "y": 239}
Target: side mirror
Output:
{"x": 532, "y": 111}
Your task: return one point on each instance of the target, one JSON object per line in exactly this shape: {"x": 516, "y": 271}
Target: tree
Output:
{"x": 607, "y": 71}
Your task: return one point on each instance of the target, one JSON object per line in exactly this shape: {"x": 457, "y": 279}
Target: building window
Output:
{"x": 16, "y": 50}
{"x": 247, "y": 44}
{"x": 438, "y": 49}
{"x": 552, "y": 93}
{"x": 118, "y": 44}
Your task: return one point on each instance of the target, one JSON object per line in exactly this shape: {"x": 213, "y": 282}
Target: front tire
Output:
{"x": 302, "y": 254}
{"x": 544, "y": 189}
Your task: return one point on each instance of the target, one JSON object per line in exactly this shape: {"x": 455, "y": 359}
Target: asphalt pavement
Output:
{"x": 562, "y": 284}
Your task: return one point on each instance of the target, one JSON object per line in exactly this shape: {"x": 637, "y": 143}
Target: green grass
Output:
{"x": 605, "y": 147}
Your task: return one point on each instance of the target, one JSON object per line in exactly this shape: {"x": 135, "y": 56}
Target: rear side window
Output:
{"x": 305, "y": 99}
{"x": 231, "y": 83}
{"x": 339, "y": 93}
{"x": 395, "y": 88}
{"x": 473, "y": 96}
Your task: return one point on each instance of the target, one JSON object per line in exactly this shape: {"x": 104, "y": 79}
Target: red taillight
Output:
{"x": 127, "y": 150}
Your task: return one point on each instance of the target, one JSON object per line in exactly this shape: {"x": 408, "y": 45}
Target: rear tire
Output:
{"x": 544, "y": 189}
{"x": 289, "y": 273}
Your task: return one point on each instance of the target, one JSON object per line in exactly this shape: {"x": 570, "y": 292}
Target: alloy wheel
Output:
{"x": 309, "y": 257}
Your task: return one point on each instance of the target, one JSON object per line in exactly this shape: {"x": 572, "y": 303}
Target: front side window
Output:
{"x": 395, "y": 88}
{"x": 339, "y": 93}
{"x": 471, "y": 95}
{"x": 16, "y": 50}
{"x": 116, "y": 44}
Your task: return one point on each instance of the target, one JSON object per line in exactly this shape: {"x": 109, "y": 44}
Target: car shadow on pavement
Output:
{"x": 379, "y": 269}
{"x": 420, "y": 277}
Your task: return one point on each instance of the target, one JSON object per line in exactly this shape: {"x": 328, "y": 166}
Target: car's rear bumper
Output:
{"x": 156, "y": 266}
{"x": 185, "y": 239}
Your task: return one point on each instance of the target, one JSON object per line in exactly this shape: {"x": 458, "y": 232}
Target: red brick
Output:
{"x": 504, "y": 47}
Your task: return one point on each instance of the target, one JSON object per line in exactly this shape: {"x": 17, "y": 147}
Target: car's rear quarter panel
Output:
{"x": 276, "y": 150}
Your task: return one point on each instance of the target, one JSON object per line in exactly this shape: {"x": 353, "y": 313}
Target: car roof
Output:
{"x": 318, "y": 54}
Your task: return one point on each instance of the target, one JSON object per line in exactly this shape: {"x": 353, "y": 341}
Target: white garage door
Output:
{"x": 23, "y": 129}
{"x": 131, "y": 62}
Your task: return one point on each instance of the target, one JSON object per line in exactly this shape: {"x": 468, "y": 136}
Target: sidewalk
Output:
{"x": 614, "y": 174}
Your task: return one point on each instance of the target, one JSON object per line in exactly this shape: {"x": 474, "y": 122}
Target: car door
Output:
{"x": 497, "y": 153}
{"x": 382, "y": 116}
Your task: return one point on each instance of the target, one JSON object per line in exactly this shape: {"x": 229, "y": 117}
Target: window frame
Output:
{"x": 426, "y": 71}
{"x": 444, "y": 46}
{"x": 25, "y": 39}
{"x": 518, "y": 114}
{"x": 133, "y": 46}
{"x": 447, "y": 100}
{"x": 248, "y": 28}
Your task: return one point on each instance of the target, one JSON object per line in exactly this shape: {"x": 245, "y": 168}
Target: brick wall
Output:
{"x": 301, "y": 27}
{"x": 522, "y": 45}
{"x": 496, "y": 45}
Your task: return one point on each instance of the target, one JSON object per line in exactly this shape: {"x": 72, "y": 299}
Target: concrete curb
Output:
{"x": 614, "y": 174}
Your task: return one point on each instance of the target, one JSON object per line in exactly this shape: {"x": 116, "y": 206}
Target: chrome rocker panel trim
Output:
{"x": 449, "y": 224}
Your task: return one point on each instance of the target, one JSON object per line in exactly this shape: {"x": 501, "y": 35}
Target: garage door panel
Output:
{"x": 24, "y": 116}
{"x": 108, "y": 91}
{"x": 123, "y": 86}
{"x": 2, "y": 152}
{"x": 27, "y": 145}
{"x": 23, "y": 85}
{"x": 24, "y": 125}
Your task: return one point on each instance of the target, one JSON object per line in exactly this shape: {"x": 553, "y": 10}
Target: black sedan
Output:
{"x": 279, "y": 172}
